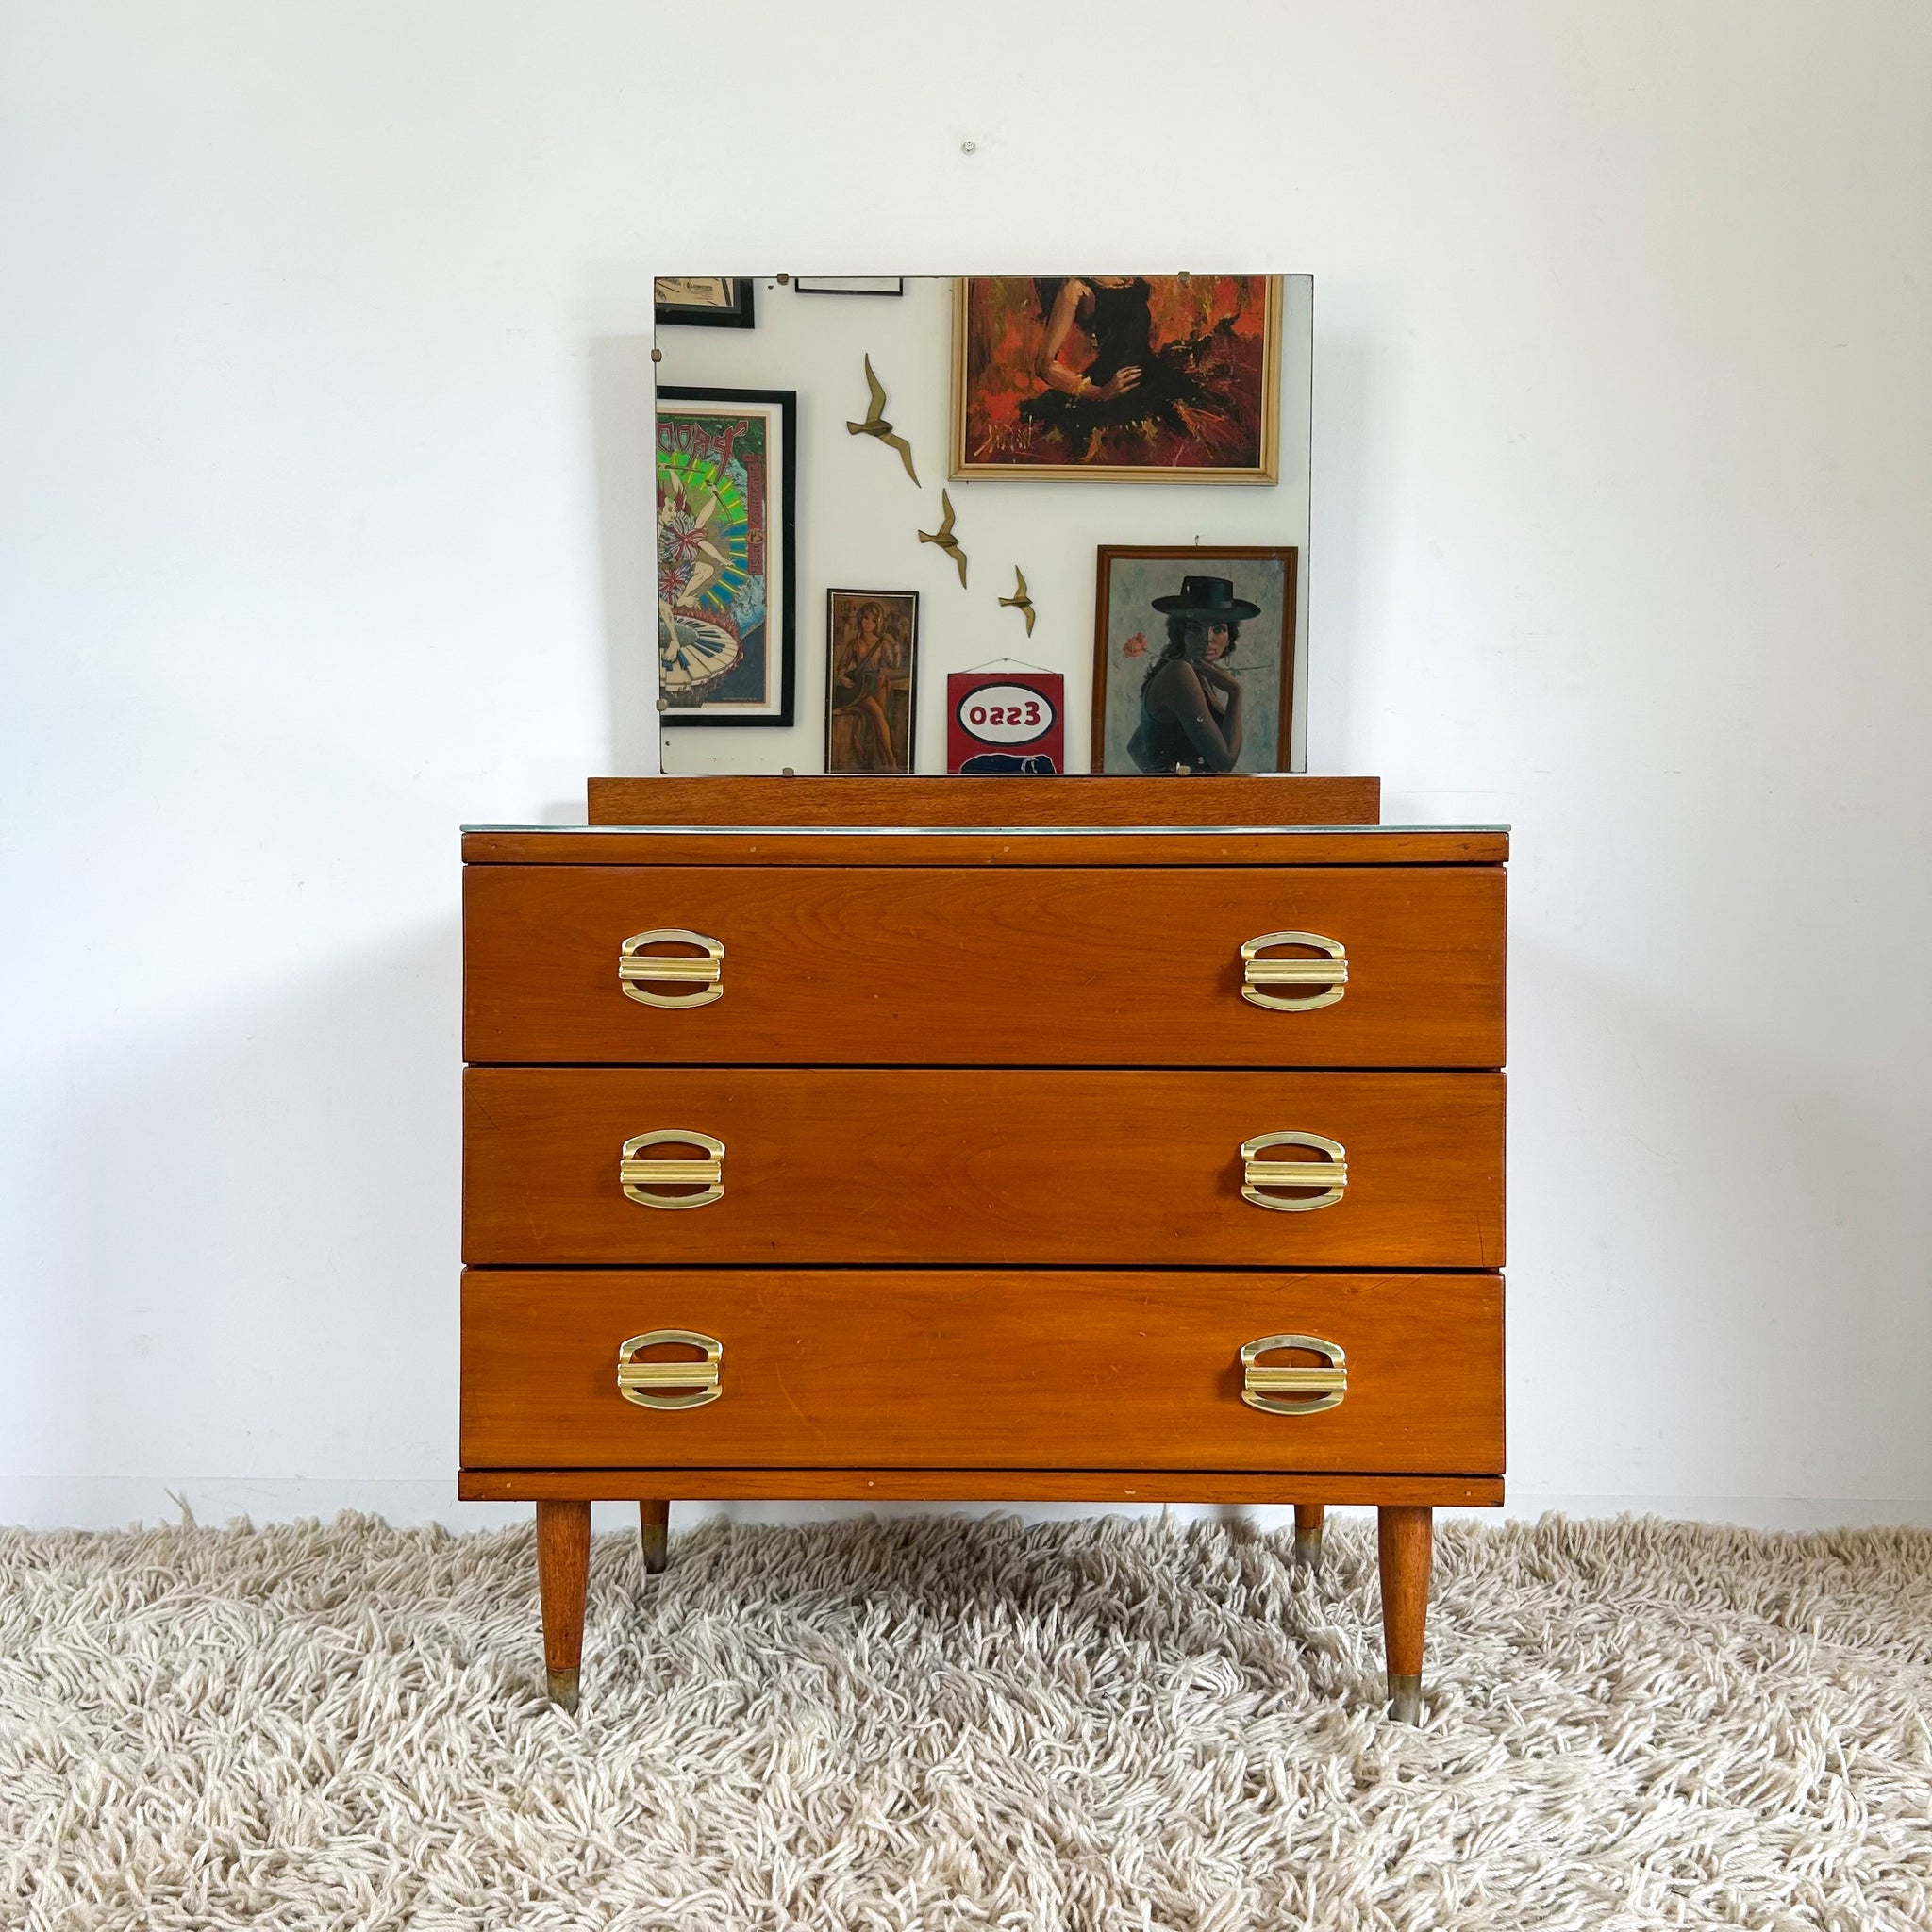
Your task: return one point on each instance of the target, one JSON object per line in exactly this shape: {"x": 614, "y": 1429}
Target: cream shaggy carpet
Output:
{"x": 941, "y": 1724}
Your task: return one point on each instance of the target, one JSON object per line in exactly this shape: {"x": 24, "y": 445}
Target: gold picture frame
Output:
{"x": 1198, "y": 391}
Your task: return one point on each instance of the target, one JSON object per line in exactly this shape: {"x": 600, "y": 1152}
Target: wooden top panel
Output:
{"x": 1023, "y": 846}
{"x": 1234, "y": 799}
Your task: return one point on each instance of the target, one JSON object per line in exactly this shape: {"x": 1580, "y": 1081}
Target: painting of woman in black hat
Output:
{"x": 1191, "y": 702}
{"x": 1194, "y": 668}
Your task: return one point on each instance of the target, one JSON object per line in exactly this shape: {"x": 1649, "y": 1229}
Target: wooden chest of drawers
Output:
{"x": 1092, "y": 1159}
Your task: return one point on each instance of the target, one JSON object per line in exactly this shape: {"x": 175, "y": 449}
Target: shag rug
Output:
{"x": 947, "y": 1723}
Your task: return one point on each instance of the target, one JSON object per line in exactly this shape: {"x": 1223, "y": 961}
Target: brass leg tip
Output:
{"x": 656, "y": 1555}
{"x": 1406, "y": 1699}
{"x": 563, "y": 1688}
{"x": 1307, "y": 1552}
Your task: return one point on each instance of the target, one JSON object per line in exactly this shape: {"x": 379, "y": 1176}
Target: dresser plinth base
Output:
{"x": 974, "y": 1485}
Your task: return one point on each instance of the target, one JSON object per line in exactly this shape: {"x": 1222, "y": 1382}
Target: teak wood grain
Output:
{"x": 958, "y": 966}
{"x": 1405, "y": 1545}
{"x": 970, "y": 1165}
{"x": 563, "y": 1564}
{"x": 978, "y": 1486}
{"x": 780, "y": 845}
{"x": 981, "y": 1071}
{"x": 989, "y": 1370}
{"x": 1233, "y": 798}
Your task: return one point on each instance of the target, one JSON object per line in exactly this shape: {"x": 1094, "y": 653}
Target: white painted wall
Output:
{"x": 860, "y": 516}
{"x": 324, "y": 452}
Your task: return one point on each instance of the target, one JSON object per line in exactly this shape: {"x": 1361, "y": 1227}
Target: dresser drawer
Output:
{"x": 1055, "y": 966}
{"x": 974, "y": 1166}
{"x": 970, "y": 1370}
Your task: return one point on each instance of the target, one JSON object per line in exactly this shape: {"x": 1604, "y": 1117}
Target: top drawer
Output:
{"x": 1045, "y": 966}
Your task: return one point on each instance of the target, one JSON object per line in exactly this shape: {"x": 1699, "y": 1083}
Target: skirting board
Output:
{"x": 93, "y": 1502}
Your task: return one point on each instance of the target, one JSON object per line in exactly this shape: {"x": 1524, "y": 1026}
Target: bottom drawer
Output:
{"x": 982, "y": 1369}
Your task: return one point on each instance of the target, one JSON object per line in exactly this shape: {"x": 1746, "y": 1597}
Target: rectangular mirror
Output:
{"x": 1006, "y": 523}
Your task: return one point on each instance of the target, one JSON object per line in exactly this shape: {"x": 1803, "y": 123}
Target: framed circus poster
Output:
{"x": 1117, "y": 378}
{"x": 726, "y": 603}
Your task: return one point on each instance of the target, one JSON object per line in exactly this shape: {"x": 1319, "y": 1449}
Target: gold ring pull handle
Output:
{"x": 1327, "y": 1178}
{"x": 639, "y": 1178}
{"x": 671, "y": 1385}
{"x": 1326, "y": 977}
{"x": 1287, "y": 1390}
{"x": 637, "y": 972}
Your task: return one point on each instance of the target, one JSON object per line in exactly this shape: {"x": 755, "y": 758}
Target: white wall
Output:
{"x": 326, "y": 463}
{"x": 860, "y": 516}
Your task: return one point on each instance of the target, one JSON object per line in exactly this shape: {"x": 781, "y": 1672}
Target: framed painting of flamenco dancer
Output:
{"x": 726, "y": 634}
{"x": 1117, "y": 378}
{"x": 1193, "y": 659}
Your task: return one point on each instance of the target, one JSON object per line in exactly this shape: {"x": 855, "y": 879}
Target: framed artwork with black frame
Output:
{"x": 727, "y": 468}
{"x": 704, "y": 301}
{"x": 1194, "y": 658}
{"x": 849, "y": 284}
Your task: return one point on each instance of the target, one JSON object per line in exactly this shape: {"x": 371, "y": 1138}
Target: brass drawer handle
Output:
{"x": 1290, "y": 1391}
{"x": 637, "y": 972}
{"x": 1328, "y": 975}
{"x": 638, "y": 1178}
{"x": 648, "y": 1383}
{"x": 1331, "y": 1176}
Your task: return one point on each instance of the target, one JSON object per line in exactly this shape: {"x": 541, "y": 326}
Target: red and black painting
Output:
{"x": 1167, "y": 378}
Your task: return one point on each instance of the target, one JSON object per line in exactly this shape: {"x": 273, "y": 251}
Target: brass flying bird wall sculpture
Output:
{"x": 943, "y": 537}
{"x": 1020, "y": 601}
{"x": 877, "y": 426}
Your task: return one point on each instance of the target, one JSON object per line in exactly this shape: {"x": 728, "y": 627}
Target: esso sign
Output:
{"x": 1009, "y": 722}
{"x": 1006, "y": 714}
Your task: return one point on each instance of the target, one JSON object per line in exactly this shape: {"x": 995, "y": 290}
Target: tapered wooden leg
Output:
{"x": 1307, "y": 1534}
{"x": 563, "y": 1575}
{"x": 654, "y": 1529}
{"x": 1407, "y": 1540}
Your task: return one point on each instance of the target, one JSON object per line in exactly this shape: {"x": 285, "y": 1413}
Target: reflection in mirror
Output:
{"x": 1005, "y": 522}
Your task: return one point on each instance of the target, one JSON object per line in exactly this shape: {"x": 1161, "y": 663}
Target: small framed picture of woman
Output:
{"x": 1193, "y": 666}
{"x": 873, "y": 637}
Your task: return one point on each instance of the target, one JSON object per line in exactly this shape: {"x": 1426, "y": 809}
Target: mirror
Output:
{"x": 1006, "y": 523}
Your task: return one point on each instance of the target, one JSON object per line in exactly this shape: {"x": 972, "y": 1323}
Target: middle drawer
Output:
{"x": 964, "y": 1165}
